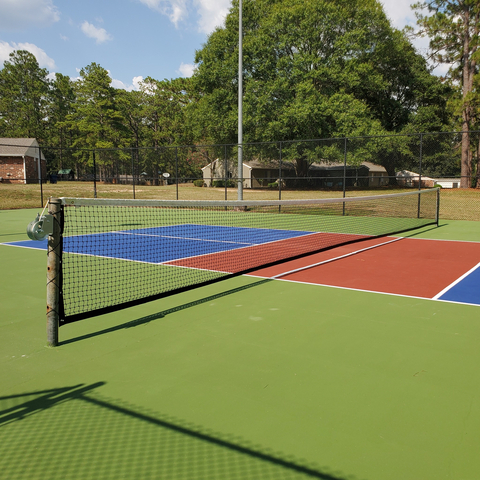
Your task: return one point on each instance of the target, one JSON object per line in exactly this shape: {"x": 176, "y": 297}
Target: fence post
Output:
{"x": 176, "y": 170}
{"x": 40, "y": 175}
{"x": 280, "y": 179}
{"x": 344, "y": 173}
{"x": 54, "y": 271}
{"x": 94, "y": 176}
{"x": 420, "y": 174}
{"x": 225, "y": 170}
{"x": 133, "y": 174}
{"x": 420, "y": 162}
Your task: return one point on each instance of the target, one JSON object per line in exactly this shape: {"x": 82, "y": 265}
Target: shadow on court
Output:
{"x": 74, "y": 432}
{"x": 164, "y": 313}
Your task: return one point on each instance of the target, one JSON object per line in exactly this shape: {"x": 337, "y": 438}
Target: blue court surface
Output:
{"x": 465, "y": 290}
{"x": 158, "y": 245}
{"x": 164, "y": 244}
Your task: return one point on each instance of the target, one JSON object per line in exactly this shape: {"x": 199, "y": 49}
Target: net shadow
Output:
{"x": 164, "y": 313}
{"x": 88, "y": 435}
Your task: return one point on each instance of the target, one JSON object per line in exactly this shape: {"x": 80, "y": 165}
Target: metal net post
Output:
{"x": 54, "y": 272}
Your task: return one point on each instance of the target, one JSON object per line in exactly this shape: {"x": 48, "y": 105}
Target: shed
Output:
{"x": 21, "y": 161}
{"x": 448, "y": 182}
{"x": 405, "y": 178}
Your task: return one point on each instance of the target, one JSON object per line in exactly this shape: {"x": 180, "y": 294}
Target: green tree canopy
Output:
{"x": 23, "y": 97}
{"x": 453, "y": 27}
{"x": 312, "y": 69}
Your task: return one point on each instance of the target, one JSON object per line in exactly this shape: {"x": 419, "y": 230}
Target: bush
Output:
{"x": 273, "y": 185}
{"x": 199, "y": 183}
{"x": 221, "y": 183}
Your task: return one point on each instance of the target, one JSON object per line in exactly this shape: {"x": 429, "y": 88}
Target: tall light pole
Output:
{"x": 240, "y": 102}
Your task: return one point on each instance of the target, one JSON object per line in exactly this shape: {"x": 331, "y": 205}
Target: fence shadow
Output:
{"x": 76, "y": 431}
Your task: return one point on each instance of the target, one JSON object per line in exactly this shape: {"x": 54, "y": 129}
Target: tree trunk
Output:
{"x": 467, "y": 81}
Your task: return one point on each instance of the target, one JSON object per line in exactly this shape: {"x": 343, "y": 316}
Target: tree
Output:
{"x": 163, "y": 113}
{"x": 454, "y": 30}
{"x": 23, "y": 97}
{"x": 60, "y": 104}
{"x": 96, "y": 118}
{"x": 312, "y": 69}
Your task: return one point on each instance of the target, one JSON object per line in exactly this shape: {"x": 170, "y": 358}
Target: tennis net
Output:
{"x": 118, "y": 253}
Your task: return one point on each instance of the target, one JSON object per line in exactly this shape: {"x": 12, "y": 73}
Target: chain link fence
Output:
{"x": 288, "y": 169}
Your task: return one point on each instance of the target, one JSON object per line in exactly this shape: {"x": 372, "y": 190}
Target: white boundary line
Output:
{"x": 364, "y": 291}
{"x": 458, "y": 280}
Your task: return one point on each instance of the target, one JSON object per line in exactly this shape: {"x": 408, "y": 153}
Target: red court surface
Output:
{"x": 252, "y": 256}
{"x": 412, "y": 267}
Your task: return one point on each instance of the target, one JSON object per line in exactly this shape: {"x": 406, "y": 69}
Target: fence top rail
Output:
{"x": 76, "y": 202}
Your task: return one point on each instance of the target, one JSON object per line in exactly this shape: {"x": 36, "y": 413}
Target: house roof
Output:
{"x": 405, "y": 174}
{"x": 254, "y": 164}
{"x": 372, "y": 167}
{"x": 19, "y": 147}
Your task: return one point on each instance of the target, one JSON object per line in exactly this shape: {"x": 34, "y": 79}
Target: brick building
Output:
{"x": 21, "y": 161}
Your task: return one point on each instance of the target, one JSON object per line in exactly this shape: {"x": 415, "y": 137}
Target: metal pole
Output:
{"x": 94, "y": 176}
{"x": 420, "y": 175}
{"x": 40, "y": 175}
{"x": 344, "y": 173}
{"x": 280, "y": 175}
{"x": 176, "y": 170}
{"x": 240, "y": 102}
{"x": 54, "y": 274}
{"x": 225, "y": 170}
{"x": 420, "y": 163}
{"x": 133, "y": 173}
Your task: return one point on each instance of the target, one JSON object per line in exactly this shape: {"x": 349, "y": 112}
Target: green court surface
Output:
{"x": 242, "y": 379}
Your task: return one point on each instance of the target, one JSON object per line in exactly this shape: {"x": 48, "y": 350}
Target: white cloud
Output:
{"x": 175, "y": 10}
{"x": 186, "y": 69}
{"x": 20, "y": 14}
{"x": 399, "y": 12}
{"x": 135, "y": 85}
{"x": 42, "y": 58}
{"x": 99, "y": 34}
{"x": 211, "y": 13}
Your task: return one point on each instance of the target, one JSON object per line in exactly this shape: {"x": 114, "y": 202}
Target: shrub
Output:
{"x": 221, "y": 183}
{"x": 199, "y": 183}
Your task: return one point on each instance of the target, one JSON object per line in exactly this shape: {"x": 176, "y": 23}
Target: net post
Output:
{"x": 54, "y": 260}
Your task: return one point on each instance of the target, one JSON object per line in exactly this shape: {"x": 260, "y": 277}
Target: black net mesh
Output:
{"x": 118, "y": 253}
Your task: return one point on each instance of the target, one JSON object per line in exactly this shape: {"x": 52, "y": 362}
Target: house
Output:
{"x": 331, "y": 175}
{"x": 21, "y": 161}
{"x": 258, "y": 174}
{"x": 405, "y": 178}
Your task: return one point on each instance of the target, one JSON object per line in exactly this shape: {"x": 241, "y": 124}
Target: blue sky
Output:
{"x": 132, "y": 39}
